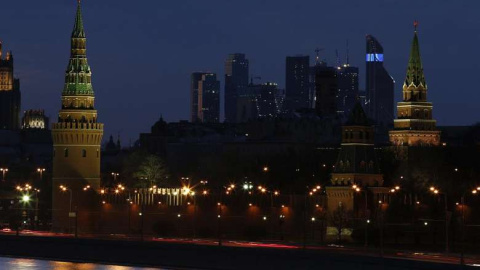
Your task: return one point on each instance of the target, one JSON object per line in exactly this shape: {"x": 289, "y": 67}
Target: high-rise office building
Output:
{"x": 10, "y": 96}
{"x": 297, "y": 83}
{"x": 76, "y": 139}
{"x": 380, "y": 88}
{"x": 194, "y": 79}
{"x": 236, "y": 82}
{"x": 415, "y": 125}
{"x": 209, "y": 99}
{"x": 260, "y": 101}
{"x": 326, "y": 89}
{"x": 347, "y": 82}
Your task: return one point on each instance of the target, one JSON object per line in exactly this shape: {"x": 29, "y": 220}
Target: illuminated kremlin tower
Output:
{"x": 76, "y": 137}
{"x": 415, "y": 125}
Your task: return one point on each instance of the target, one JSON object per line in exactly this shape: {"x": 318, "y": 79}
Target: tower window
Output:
{"x": 84, "y": 153}
{"x": 65, "y": 152}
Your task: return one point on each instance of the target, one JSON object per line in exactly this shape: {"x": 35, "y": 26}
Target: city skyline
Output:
{"x": 164, "y": 84}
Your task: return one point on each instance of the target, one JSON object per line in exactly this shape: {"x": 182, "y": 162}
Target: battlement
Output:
{"x": 78, "y": 126}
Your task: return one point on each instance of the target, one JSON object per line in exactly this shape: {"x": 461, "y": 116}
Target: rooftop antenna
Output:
{"x": 348, "y": 55}
{"x": 415, "y": 24}
{"x": 337, "y": 58}
{"x": 317, "y": 57}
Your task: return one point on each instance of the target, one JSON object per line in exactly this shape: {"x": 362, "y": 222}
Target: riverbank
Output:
{"x": 189, "y": 256}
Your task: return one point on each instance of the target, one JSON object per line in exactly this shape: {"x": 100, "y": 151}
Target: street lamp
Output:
{"x": 4, "y": 171}
{"x": 435, "y": 191}
{"x": 115, "y": 175}
{"x": 357, "y": 189}
{"x": 41, "y": 171}
{"x": 462, "y": 254}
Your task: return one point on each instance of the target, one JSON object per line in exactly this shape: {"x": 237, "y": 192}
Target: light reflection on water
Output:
{"x": 29, "y": 264}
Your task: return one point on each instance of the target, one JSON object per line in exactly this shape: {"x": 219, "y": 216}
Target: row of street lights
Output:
{"x": 5, "y": 170}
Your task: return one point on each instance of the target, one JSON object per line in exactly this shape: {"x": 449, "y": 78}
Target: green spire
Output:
{"x": 78, "y": 74}
{"x": 78, "y": 31}
{"x": 415, "y": 74}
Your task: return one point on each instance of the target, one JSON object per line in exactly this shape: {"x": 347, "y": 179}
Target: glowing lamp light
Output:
{"x": 25, "y": 198}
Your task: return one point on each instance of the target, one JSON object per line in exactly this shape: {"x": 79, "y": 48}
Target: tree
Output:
{"x": 151, "y": 170}
{"x": 340, "y": 219}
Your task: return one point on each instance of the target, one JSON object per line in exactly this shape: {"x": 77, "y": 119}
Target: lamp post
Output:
{"x": 65, "y": 189}
{"x": 462, "y": 253}
{"x": 357, "y": 189}
{"x": 437, "y": 192}
{"x": 4, "y": 171}
{"x": 115, "y": 175}
{"x": 41, "y": 171}
{"x": 26, "y": 198}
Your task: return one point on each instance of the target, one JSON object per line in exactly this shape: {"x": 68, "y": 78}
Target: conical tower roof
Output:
{"x": 78, "y": 30}
{"x": 358, "y": 117}
{"x": 78, "y": 74}
{"x": 415, "y": 74}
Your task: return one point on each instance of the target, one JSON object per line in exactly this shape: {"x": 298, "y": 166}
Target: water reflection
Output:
{"x": 29, "y": 264}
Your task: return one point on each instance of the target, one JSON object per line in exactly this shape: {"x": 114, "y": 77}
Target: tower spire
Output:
{"x": 415, "y": 75}
{"x": 78, "y": 80}
{"x": 78, "y": 30}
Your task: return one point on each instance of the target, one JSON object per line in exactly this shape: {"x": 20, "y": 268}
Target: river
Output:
{"x": 30, "y": 264}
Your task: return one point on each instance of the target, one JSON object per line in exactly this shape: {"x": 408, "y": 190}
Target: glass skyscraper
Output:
{"x": 380, "y": 88}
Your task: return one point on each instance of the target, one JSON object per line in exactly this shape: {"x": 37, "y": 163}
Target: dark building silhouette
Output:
{"x": 194, "y": 79}
{"x": 357, "y": 164}
{"x": 236, "y": 82}
{"x": 326, "y": 88}
{"x": 380, "y": 87}
{"x": 297, "y": 83}
{"x": 209, "y": 99}
{"x": 260, "y": 101}
{"x": 10, "y": 96}
{"x": 347, "y": 82}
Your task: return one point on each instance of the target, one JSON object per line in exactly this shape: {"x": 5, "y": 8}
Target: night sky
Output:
{"x": 142, "y": 52}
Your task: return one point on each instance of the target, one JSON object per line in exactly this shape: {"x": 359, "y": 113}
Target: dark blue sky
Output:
{"x": 142, "y": 52}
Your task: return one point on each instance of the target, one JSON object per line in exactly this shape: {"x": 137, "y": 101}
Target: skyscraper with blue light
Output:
{"x": 380, "y": 88}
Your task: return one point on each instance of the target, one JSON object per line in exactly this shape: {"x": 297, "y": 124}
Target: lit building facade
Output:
{"x": 347, "y": 82}
{"x": 10, "y": 97}
{"x": 194, "y": 79}
{"x": 77, "y": 135}
{"x": 415, "y": 125}
{"x": 35, "y": 119}
{"x": 236, "y": 82}
{"x": 208, "y": 99}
